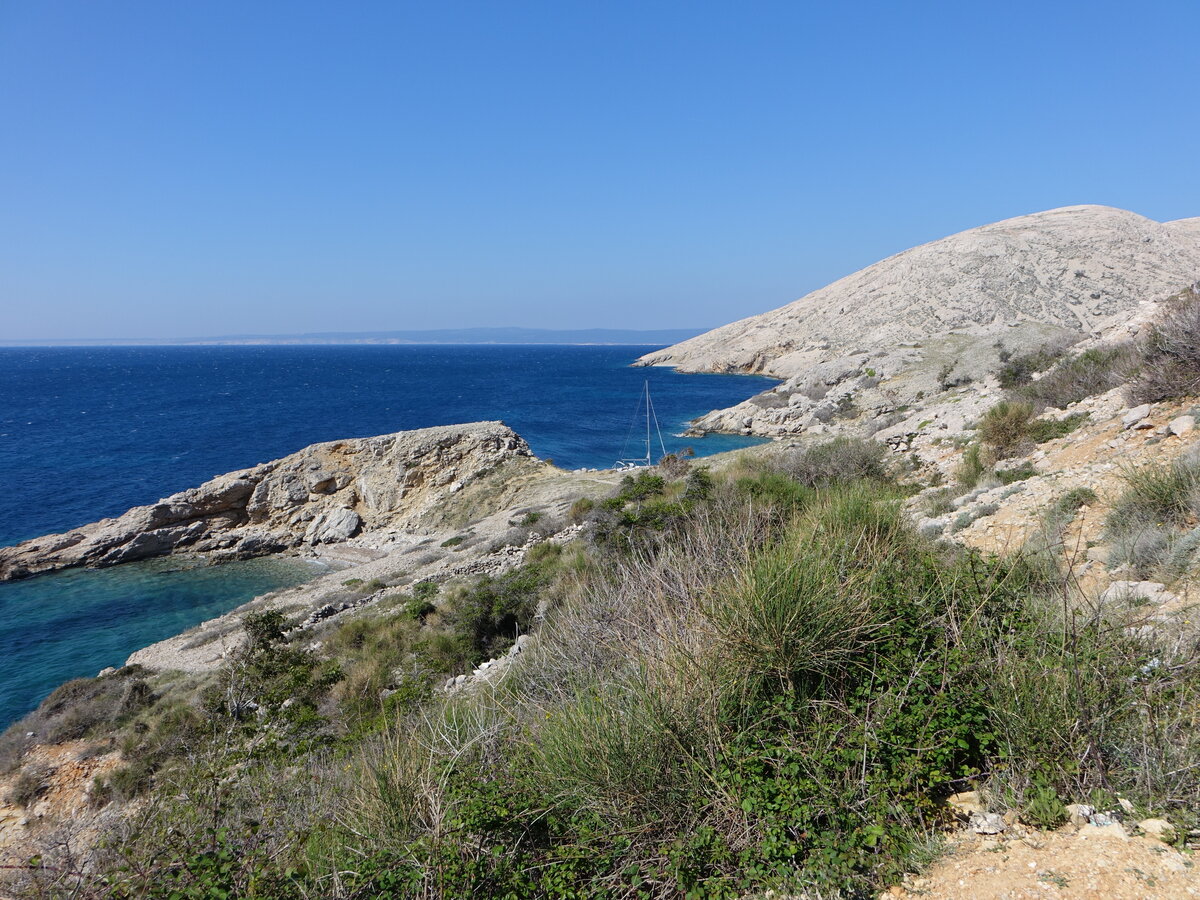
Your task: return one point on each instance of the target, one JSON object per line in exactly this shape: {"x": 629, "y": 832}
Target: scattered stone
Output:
{"x": 987, "y": 823}
{"x": 1181, "y": 426}
{"x": 966, "y": 803}
{"x": 1138, "y": 592}
{"x": 1111, "y": 832}
{"x": 1080, "y": 813}
{"x": 1135, "y": 415}
{"x": 1159, "y": 829}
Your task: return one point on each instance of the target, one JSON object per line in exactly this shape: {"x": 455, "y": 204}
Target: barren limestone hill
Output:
{"x": 1071, "y": 270}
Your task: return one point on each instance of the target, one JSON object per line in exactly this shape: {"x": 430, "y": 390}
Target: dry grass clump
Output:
{"x": 1092, "y": 372}
{"x": 77, "y": 709}
{"x": 841, "y": 459}
{"x": 1005, "y": 427}
{"x": 1153, "y": 524}
{"x": 1170, "y": 353}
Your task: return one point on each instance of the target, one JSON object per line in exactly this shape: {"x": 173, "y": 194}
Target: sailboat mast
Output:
{"x": 647, "y": 389}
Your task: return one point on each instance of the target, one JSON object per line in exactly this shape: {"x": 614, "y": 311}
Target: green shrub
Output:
{"x": 489, "y": 616}
{"x": 1043, "y": 806}
{"x": 1016, "y": 473}
{"x": 425, "y": 590}
{"x": 1072, "y": 500}
{"x": 972, "y": 468}
{"x": 1147, "y": 523}
{"x": 775, "y": 489}
{"x": 580, "y": 510}
{"x": 454, "y": 541}
{"x": 1159, "y": 494}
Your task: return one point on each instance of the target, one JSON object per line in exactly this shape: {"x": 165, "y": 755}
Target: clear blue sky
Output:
{"x": 172, "y": 169}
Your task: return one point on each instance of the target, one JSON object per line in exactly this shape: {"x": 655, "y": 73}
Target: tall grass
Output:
{"x": 760, "y": 697}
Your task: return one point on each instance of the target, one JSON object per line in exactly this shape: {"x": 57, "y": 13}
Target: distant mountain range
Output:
{"x": 433, "y": 336}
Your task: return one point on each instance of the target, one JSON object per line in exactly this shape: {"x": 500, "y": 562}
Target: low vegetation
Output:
{"x": 1170, "y": 353}
{"x": 1154, "y": 526}
{"x": 760, "y": 681}
{"x": 1077, "y": 377}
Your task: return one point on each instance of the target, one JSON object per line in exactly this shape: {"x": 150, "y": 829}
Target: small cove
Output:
{"x": 90, "y": 432}
{"x": 74, "y": 623}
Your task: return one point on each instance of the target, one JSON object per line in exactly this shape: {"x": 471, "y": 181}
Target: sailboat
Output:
{"x": 647, "y": 405}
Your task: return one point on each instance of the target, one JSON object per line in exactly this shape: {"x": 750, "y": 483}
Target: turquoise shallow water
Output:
{"x": 89, "y": 432}
{"x": 77, "y": 622}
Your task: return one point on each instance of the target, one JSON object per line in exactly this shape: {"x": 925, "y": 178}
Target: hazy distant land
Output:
{"x": 432, "y": 336}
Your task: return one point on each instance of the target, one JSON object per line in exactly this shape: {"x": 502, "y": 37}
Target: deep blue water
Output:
{"x": 89, "y": 432}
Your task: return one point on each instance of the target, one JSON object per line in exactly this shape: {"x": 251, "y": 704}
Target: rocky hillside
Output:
{"x": 936, "y": 311}
{"x": 323, "y": 494}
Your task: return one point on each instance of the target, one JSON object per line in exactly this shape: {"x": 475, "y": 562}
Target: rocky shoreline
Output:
{"x": 323, "y": 494}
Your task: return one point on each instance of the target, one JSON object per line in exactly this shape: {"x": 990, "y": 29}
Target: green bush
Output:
{"x": 1014, "y": 474}
{"x": 1147, "y": 524}
{"x": 1072, "y": 500}
{"x": 972, "y": 468}
{"x": 489, "y": 616}
{"x": 775, "y": 489}
{"x": 1159, "y": 494}
{"x": 580, "y": 510}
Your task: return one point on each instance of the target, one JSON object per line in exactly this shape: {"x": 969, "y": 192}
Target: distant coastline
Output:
{"x": 581, "y": 336}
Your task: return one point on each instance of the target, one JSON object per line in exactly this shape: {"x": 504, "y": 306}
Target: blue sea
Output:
{"x": 87, "y": 433}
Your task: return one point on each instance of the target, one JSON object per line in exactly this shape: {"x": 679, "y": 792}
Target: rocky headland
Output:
{"x": 323, "y": 494}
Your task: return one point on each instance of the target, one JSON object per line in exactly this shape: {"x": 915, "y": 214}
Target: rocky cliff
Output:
{"x": 325, "y": 493}
{"x": 1064, "y": 274}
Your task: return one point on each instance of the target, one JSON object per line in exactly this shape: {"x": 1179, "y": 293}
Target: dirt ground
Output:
{"x": 1090, "y": 863}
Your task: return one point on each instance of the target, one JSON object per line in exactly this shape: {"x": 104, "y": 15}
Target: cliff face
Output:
{"x": 325, "y": 493}
{"x": 1072, "y": 267}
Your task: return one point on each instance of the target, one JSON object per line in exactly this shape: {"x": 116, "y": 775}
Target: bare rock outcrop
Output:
{"x": 941, "y": 310}
{"x": 1072, "y": 267}
{"x": 325, "y": 493}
